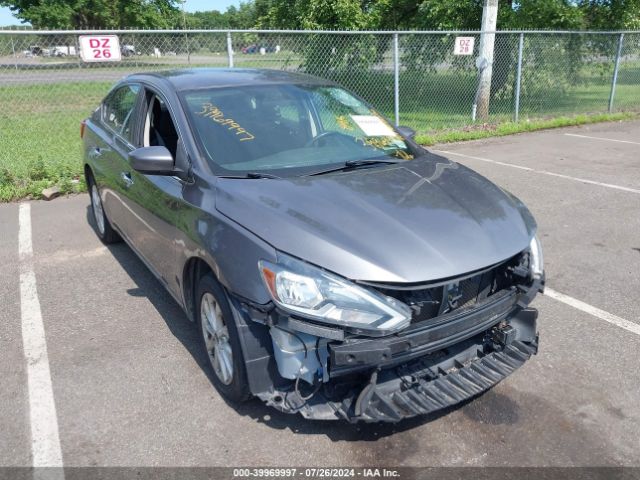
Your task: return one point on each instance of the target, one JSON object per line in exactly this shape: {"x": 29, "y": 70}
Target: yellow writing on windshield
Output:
{"x": 343, "y": 122}
{"x": 215, "y": 114}
{"x": 384, "y": 143}
{"x": 403, "y": 155}
{"x": 378, "y": 142}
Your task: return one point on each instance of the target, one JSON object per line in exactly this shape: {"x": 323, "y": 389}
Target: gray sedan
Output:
{"x": 334, "y": 268}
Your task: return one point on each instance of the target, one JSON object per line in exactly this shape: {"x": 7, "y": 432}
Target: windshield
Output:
{"x": 288, "y": 130}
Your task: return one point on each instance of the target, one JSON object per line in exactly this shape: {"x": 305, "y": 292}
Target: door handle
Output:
{"x": 126, "y": 178}
{"x": 95, "y": 152}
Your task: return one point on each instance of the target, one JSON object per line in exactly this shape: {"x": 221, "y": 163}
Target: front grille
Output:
{"x": 462, "y": 293}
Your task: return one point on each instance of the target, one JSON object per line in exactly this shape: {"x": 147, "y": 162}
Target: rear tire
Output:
{"x": 220, "y": 340}
{"x": 105, "y": 231}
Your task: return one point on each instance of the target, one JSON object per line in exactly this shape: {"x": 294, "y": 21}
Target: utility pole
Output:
{"x": 485, "y": 60}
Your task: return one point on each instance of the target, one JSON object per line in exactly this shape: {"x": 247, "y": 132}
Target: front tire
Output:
{"x": 219, "y": 337}
{"x": 105, "y": 231}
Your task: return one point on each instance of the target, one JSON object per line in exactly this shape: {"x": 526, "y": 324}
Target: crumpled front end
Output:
{"x": 423, "y": 387}
{"x": 467, "y": 334}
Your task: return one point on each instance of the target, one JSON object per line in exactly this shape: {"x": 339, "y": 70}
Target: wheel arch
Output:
{"x": 255, "y": 340}
{"x": 194, "y": 269}
{"x": 88, "y": 173}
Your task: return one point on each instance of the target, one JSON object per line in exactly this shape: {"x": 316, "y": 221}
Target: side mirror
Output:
{"x": 407, "y": 132}
{"x": 153, "y": 161}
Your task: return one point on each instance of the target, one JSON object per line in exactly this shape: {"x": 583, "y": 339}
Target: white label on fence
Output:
{"x": 373, "y": 126}
{"x": 463, "y": 45}
{"x": 99, "y": 48}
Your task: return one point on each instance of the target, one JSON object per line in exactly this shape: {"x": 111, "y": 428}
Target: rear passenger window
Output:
{"x": 118, "y": 107}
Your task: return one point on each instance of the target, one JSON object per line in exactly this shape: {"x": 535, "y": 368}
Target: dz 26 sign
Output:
{"x": 99, "y": 48}
{"x": 463, "y": 46}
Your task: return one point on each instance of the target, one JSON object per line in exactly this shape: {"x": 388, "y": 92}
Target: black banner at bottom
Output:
{"x": 327, "y": 473}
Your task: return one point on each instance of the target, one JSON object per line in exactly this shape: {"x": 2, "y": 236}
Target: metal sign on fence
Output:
{"x": 463, "y": 45}
{"x": 99, "y": 48}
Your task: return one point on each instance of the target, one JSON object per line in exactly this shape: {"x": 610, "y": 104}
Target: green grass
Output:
{"x": 40, "y": 142}
{"x": 435, "y": 101}
{"x": 510, "y": 128}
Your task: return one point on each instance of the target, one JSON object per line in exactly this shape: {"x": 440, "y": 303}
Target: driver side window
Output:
{"x": 159, "y": 128}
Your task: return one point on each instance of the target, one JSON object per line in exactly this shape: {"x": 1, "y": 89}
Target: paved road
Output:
{"x": 35, "y": 71}
{"x": 131, "y": 389}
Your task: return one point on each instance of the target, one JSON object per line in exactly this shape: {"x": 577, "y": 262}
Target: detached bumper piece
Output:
{"x": 424, "y": 392}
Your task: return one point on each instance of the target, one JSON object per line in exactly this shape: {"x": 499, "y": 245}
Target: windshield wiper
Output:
{"x": 350, "y": 164}
{"x": 261, "y": 175}
{"x": 251, "y": 175}
{"x": 369, "y": 161}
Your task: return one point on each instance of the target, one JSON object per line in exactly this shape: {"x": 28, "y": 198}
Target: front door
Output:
{"x": 154, "y": 200}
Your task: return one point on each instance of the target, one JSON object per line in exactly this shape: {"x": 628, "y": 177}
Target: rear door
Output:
{"x": 109, "y": 153}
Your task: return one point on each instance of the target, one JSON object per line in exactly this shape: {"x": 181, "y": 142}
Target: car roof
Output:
{"x": 195, "y": 78}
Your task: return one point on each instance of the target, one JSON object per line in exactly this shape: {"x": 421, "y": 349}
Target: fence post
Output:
{"x": 396, "y": 80}
{"x": 136, "y": 40}
{"x": 15, "y": 57}
{"x": 516, "y": 112}
{"x": 186, "y": 41}
{"x": 78, "y": 56}
{"x": 230, "y": 49}
{"x": 614, "y": 80}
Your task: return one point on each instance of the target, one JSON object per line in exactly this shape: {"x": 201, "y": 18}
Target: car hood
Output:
{"x": 417, "y": 221}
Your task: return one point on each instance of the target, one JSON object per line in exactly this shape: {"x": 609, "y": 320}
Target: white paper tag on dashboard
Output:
{"x": 373, "y": 126}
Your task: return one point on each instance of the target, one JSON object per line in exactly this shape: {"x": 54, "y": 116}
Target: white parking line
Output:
{"x": 45, "y": 440}
{"x": 543, "y": 172}
{"x": 591, "y": 310}
{"x": 601, "y": 138}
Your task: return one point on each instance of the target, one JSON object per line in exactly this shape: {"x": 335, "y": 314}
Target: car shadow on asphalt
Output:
{"x": 147, "y": 285}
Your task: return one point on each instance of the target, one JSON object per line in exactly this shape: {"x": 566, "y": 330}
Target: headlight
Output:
{"x": 537, "y": 263}
{"x": 319, "y": 295}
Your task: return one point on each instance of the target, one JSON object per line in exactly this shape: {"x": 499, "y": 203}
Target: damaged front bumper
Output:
{"x": 430, "y": 366}
{"x": 423, "y": 390}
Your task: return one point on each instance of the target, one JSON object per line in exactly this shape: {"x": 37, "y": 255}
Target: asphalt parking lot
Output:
{"x": 131, "y": 388}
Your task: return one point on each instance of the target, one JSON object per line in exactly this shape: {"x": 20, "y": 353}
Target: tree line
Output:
{"x": 330, "y": 14}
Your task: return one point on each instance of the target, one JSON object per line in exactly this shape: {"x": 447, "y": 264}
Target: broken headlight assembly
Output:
{"x": 308, "y": 291}
{"x": 537, "y": 262}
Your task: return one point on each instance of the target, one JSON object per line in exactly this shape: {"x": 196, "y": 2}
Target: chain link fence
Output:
{"x": 412, "y": 77}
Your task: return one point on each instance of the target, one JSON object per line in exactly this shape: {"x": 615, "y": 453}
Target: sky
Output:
{"x": 7, "y": 19}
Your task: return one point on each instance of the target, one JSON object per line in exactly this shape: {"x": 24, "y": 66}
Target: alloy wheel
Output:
{"x": 216, "y": 338}
{"x": 96, "y": 203}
